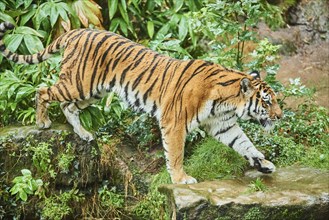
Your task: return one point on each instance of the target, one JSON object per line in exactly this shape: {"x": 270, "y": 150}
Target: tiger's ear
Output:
{"x": 255, "y": 74}
{"x": 246, "y": 87}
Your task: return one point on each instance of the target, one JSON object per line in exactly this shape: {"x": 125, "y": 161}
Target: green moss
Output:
{"x": 254, "y": 214}
{"x": 154, "y": 204}
{"x": 213, "y": 160}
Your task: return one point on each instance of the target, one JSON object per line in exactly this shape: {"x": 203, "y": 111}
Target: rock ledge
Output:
{"x": 292, "y": 193}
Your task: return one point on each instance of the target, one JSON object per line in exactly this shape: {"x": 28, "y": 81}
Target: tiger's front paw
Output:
{"x": 43, "y": 124}
{"x": 263, "y": 165}
{"x": 183, "y": 179}
{"x": 83, "y": 134}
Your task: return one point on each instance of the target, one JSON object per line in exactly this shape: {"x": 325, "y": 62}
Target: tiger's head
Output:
{"x": 260, "y": 101}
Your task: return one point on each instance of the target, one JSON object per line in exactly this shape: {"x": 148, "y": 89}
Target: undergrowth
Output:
{"x": 213, "y": 160}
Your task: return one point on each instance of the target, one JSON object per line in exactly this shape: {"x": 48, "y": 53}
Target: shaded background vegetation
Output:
{"x": 214, "y": 30}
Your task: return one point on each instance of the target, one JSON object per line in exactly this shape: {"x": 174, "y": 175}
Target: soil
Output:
{"x": 312, "y": 67}
{"x": 305, "y": 47}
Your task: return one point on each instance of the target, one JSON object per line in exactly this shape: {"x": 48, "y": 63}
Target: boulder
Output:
{"x": 290, "y": 193}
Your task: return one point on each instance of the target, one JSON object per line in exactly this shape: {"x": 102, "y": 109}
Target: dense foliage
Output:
{"x": 216, "y": 30}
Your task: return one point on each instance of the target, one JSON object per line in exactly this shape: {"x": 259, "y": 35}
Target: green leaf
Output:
{"x": 24, "y": 92}
{"x": 63, "y": 13}
{"x": 150, "y": 28}
{"x": 13, "y": 41}
{"x": 27, "y": 30}
{"x": 2, "y": 6}
{"x": 86, "y": 119}
{"x": 23, "y": 195}
{"x": 124, "y": 5}
{"x": 66, "y": 7}
{"x": 12, "y": 89}
{"x": 33, "y": 44}
{"x": 124, "y": 14}
{"x": 164, "y": 30}
{"x": 115, "y": 24}
{"x": 97, "y": 116}
{"x": 39, "y": 182}
{"x": 178, "y": 5}
{"x": 5, "y": 17}
{"x": 192, "y": 35}
{"x": 118, "y": 110}
{"x": 182, "y": 28}
{"x": 14, "y": 190}
{"x": 150, "y": 6}
{"x": 26, "y": 172}
{"x": 113, "y": 6}
{"x": 27, "y": 3}
{"x": 26, "y": 17}
{"x": 123, "y": 27}
{"x": 53, "y": 15}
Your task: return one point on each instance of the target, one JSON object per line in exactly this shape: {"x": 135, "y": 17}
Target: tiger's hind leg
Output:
{"x": 71, "y": 111}
{"x": 173, "y": 138}
{"x": 70, "y": 106}
{"x": 42, "y": 99}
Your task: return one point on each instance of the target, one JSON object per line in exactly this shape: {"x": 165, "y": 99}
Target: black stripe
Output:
{"x": 99, "y": 44}
{"x": 119, "y": 54}
{"x": 92, "y": 79}
{"x": 140, "y": 59}
{"x": 164, "y": 74}
{"x": 124, "y": 73}
{"x": 67, "y": 92}
{"x": 214, "y": 73}
{"x": 171, "y": 77}
{"x": 39, "y": 57}
{"x": 91, "y": 43}
{"x": 248, "y": 108}
{"x": 15, "y": 58}
{"x": 83, "y": 63}
{"x": 107, "y": 51}
{"x": 222, "y": 131}
{"x": 112, "y": 82}
{"x": 233, "y": 141}
{"x": 105, "y": 73}
{"x": 256, "y": 105}
{"x": 137, "y": 103}
{"x": 60, "y": 91}
{"x": 2, "y": 47}
{"x": 227, "y": 83}
{"x": 196, "y": 72}
{"x": 130, "y": 47}
{"x": 154, "y": 108}
{"x": 140, "y": 76}
{"x": 126, "y": 91}
{"x": 149, "y": 91}
{"x": 153, "y": 69}
{"x": 214, "y": 104}
{"x": 186, "y": 126}
{"x": 182, "y": 73}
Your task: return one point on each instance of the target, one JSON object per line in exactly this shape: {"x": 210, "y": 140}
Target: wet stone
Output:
{"x": 291, "y": 193}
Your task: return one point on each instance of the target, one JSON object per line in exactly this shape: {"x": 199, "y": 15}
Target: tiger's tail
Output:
{"x": 27, "y": 59}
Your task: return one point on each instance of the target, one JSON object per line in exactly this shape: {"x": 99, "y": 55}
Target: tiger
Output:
{"x": 181, "y": 94}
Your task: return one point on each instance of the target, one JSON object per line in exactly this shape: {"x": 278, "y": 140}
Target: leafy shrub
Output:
{"x": 58, "y": 206}
{"x": 152, "y": 206}
{"x": 25, "y": 185}
{"x": 109, "y": 198}
{"x": 308, "y": 125}
{"x": 226, "y": 26}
